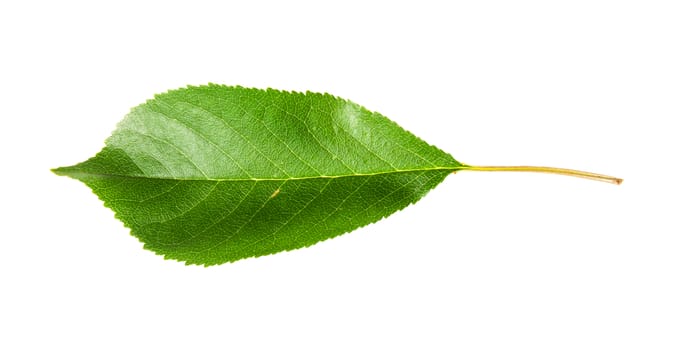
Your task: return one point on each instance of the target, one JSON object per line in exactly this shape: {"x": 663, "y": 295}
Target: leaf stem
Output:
{"x": 549, "y": 170}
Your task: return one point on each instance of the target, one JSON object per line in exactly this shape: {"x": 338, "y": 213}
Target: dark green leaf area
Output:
{"x": 210, "y": 222}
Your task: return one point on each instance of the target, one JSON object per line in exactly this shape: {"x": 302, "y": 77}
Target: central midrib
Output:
{"x": 75, "y": 174}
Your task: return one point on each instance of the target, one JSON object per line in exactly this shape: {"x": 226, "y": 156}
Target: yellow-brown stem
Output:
{"x": 544, "y": 169}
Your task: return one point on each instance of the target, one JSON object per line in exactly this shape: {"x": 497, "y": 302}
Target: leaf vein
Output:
{"x": 306, "y": 126}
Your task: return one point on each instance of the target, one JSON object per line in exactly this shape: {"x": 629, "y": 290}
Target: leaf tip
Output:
{"x": 60, "y": 171}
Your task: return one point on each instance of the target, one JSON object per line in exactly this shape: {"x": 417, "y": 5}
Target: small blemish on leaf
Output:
{"x": 278, "y": 190}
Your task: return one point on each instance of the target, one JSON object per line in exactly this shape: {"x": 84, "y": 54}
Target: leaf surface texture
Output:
{"x": 214, "y": 174}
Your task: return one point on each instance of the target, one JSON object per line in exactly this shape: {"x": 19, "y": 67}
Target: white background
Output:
{"x": 485, "y": 261}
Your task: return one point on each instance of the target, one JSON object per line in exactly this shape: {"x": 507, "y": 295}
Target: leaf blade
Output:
{"x": 215, "y": 174}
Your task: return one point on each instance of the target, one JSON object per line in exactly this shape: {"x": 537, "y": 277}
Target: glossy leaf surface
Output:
{"x": 214, "y": 174}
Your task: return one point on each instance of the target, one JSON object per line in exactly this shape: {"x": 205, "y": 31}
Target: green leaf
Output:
{"x": 214, "y": 174}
